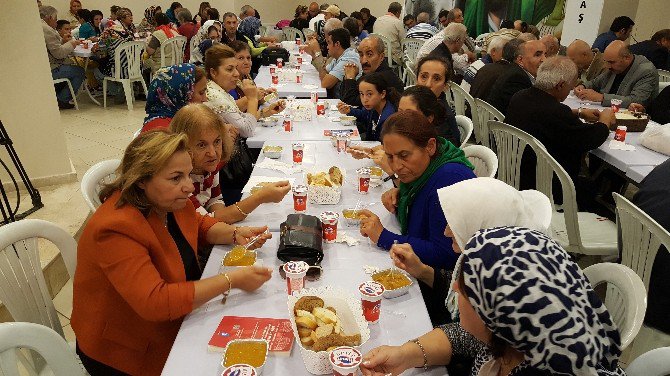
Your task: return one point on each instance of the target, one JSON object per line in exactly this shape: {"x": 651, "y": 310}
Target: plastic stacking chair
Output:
{"x": 99, "y": 174}
{"x": 578, "y": 232}
{"x": 263, "y": 30}
{"x": 172, "y": 51}
{"x": 72, "y": 92}
{"x": 126, "y": 75}
{"x": 410, "y": 48}
{"x": 291, "y": 33}
{"x": 655, "y": 362}
{"x": 485, "y": 112}
{"x": 626, "y": 298}
{"x": 464, "y": 127}
{"x": 484, "y": 160}
{"x": 15, "y": 336}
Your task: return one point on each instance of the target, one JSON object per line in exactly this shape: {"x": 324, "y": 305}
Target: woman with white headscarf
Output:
{"x": 471, "y": 205}
{"x": 197, "y": 56}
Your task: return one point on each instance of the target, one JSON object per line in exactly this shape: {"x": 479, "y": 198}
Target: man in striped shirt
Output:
{"x": 422, "y": 29}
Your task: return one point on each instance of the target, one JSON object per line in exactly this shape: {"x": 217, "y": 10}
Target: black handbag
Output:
{"x": 300, "y": 239}
{"x": 271, "y": 54}
{"x": 235, "y": 174}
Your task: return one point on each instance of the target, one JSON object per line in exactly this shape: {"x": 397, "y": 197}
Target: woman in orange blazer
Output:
{"x": 137, "y": 274}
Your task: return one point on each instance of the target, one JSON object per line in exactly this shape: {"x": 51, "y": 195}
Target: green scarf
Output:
{"x": 446, "y": 153}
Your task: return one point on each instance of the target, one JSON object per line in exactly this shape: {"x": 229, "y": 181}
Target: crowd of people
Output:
{"x": 176, "y": 193}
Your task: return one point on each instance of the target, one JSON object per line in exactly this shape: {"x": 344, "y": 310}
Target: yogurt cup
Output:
{"x": 363, "y": 180}
{"x": 298, "y": 150}
{"x": 295, "y": 275}
{"x": 345, "y": 360}
{"x": 300, "y": 198}
{"x": 329, "y": 221}
{"x": 371, "y": 299}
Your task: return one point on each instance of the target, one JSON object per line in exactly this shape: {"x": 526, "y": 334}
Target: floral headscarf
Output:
{"x": 530, "y": 294}
{"x": 249, "y": 27}
{"x": 170, "y": 90}
{"x": 149, "y": 14}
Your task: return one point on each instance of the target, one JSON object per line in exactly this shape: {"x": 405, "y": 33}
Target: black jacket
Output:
{"x": 349, "y": 88}
{"x": 659, "y": 109}
{"x": 512, "y": 80}
{"x": 654, "y": 52}
{"x": 370, "y": 24}
{"x": 486, "y": 77}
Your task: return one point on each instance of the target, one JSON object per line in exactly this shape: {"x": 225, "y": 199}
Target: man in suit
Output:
{"x": 373, "y": 59}
{"x": 519, "y": 75}
{"x": 501, "y": 51}
{"x": 589, "y": 61}
{"x": 656, "y": 50}
{"x": 539, "y": 112}
{"x": 631, "y": 78}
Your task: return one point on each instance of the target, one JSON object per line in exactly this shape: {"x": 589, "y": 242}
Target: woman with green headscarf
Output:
{"x": 424, "y": 163}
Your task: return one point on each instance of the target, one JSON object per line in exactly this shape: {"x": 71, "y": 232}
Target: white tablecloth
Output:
{"x": 83, "y": 52}
{"x": 320, "y": 156}
{"x": 310, "y": 81}
{"x": 630, "y": 163}
{"x": 302, "y": 130}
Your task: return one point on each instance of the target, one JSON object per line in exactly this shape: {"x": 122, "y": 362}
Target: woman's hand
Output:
{"x": 275, "y": 192}
{"x": 274, "y": 108}
{"x": 250, "y": 278}
{"x": 384, "y": 360}
{"x": 359, "y": 152}
{"x": 245, "y": 234}
{"x": 371, "y": 226}
{"x": 250, "y": 90}
{"x": 390, "y": 200}
{"x": 343, "y": 108}
{"x": 403, "y": 257}
{"x": 381, "y": 160}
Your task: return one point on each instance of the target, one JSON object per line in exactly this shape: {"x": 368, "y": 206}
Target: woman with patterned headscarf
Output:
{"x": 525, "y": 309}
{"x": 110, "y": 39}
{"x": 171, "y": 89}
{"x": 125, "y": 18}
{"x": 148, "y": 24}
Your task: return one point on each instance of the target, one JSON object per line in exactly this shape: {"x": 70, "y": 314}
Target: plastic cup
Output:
{"x": 363, "y": 181}
{"x": 314, "y": 96}
{"x": 345, "y": 360}
{"x": 616, "y": 104}
{"x": 280, "y": 62}
{"x": 275, "y": 79}
{"x": 273, "y": 69}
{"x": 299, "y": 198}
{"x": 620, "y": 133}
{"x": 320, "y": 108}
{"x": 371, "y": 299}
{"x": 298, "y": 153}
{"x": 329, "y": 221}
{"x": 295, "y": 275}
{"x": 298, "y": 76}
{"x": 288, "y": 125}
{"x": 239, "y": 370}
{"x": 299, "y": 59}
{"x": 298, "y": 42}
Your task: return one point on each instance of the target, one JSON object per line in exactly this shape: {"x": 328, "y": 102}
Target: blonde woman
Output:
{"x": 137, "y": 273}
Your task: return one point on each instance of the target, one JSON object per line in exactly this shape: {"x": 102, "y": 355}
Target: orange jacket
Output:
{"x": 130, "y": 288}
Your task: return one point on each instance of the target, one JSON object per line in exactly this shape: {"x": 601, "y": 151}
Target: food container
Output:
{"x": 371, "y": 299}
{"x": 280, "y": 62}
{"x": 314, "y": 96}
{"x": 363, "y": 180}
{"x": 375, "y": 172}
{"x": 295, "y": 275}
{"x": 273, "y": 152}
{"x": 396, "y": 292}
{"x": 298, "y": 150}
{"x": 298, "y": 76}
{"x": 348, "y": 121}
{"x": 634, "y": 121}
{"x": 351, "y": 218}
{"x": 341, "y": 143}
{"x": 246, "y": 351}
{"x": 269, "y": 121}
{"x": 345, "y": 361}
{"x": 323, "y": 195}
{"x": 300, "y": 193}
{"x": 350, "y": 313}
{"x": 275, "y": 78}
{"x": 333, "y": 140}
{"x": 273, "y": 68}
{"x": 329, "y": 221}
{"x": 320, "y": 108}
{"x": 288, "y": 124}
{"x": 240, "y": 370}
{"x": 620, "y": 133}
{"x": 298, "y": 41}
{"x": 298, "y": 59}
{"x": 616, "y": 104}
{"x": 229, "y": 268}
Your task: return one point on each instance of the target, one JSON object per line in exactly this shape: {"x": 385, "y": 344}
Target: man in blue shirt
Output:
{"x": 621, "y": 28}
{"x": 339, "y": 48}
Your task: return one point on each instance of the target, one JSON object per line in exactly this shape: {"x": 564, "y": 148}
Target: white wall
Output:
{"x": 28, "y": 106}
{"x": 651, "y": 16}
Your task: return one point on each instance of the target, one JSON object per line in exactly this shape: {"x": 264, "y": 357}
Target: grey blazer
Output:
{"x": 639, "y": 86}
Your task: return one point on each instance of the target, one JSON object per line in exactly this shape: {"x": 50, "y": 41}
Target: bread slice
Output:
{"x": 323, "y": 331}
{"x": 325, "y": 315}
{"x": 305, "y": 322}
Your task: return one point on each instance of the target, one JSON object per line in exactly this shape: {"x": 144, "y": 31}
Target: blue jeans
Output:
{"x": 73, "y": 73}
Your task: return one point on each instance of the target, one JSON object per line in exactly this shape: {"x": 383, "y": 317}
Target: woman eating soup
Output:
{"x": 137, "y": 273}
{"x": 211, "y": 146}
{"x": 562, "y": 329}
{"x": 423, "y": 162}
{"x": 243, "y": 56}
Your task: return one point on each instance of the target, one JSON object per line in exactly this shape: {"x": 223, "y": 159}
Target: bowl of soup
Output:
{"x": 348, "y": 120}
{"x": 253, "y": 352}
{"x": 396, "y": 283}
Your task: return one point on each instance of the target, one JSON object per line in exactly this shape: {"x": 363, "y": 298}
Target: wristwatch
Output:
{"x": 317, "y": 54}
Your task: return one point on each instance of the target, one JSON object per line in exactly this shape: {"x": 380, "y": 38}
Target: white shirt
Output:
{"x": 313, "y": 21}
{"x": 393, "y": 29}
{"x": 430, "y": 45}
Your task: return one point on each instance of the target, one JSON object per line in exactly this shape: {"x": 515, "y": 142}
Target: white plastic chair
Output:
{"x": 655, "y": 362}
{"x": 23, "y": 289}
{"x": 626, "y": 298}
{"x": 126, "y": 75}
{"x": 72, "y": 92}
{"x": 410, "y": 48}
{"x": 291, "y": 33}
{"x": 485, "y": 112}
{"x": 262, "y": 30}
{"x": 15, "y": 336}
{"x": 663, "y": 75}
{"x": 172, "y": 51}
{"x": 484, "y": 160}
{"x": 577, "y": 232}
{"x": 460, "y": 97}
{"x": 464, "y": 127}
{"x": 99, "y": 174}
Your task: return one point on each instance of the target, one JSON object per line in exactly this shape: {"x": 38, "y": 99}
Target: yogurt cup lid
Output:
{"x": 296, "y": 267}
{"x": 364, "y": 171}
{"x": 371, "y": 288}
{"x": 329, "y": 216}
{"x": 345, "y": 357}
{"x": 300, "y": 189}
{"x": 298, "y": 145}
{"x": 239, "y": 370}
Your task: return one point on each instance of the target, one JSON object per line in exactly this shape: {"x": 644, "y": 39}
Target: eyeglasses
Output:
{"x": 313, "y": 273}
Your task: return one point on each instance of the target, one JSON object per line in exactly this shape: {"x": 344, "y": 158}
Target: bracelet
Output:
{"x": 423, "y": 351}
{"x": 237, "y": 206}
{"x": 579, "y": 112}
{"x": 235, "y": 235}
{"x": 224, "y": 295}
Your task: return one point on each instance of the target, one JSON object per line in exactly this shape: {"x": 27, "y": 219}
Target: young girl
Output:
{"x": 421, "y": 98}
{"x": 210, "y": 147}
{"x": 379, "y": 102}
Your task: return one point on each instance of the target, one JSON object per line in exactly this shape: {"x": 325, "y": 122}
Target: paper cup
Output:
{"x": 288, "y": 125}
{"x": 298, "y": 149}
{"x": 314, "y": 96}
{"x": 329, "y": 221}
{"x": 239, "y": 370}
{"x": 616, "y": 104}
{"x": 300, "y": 198}
{"x": 273, "y": 69}
{"x": 320, "y": 108}
{"x": 363, "y": 181}
{"x": 280, "y": 62}
{"x": 371, "y": 299}
{"x": 298, "y": 76}
{"x": 345, "y": 360}
{"x": 295, "y": 275}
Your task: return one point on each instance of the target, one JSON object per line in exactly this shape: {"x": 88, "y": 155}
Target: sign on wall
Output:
{"x": 582, "y": 20}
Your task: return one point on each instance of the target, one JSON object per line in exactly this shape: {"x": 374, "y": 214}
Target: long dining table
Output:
{"x": 311, "y": 82}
